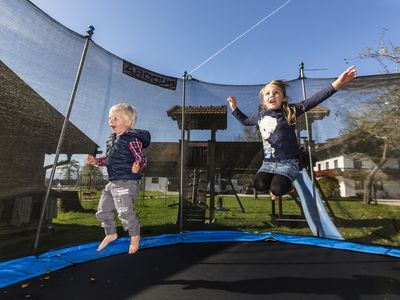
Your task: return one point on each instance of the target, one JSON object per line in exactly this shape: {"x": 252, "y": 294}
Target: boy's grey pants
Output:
{"x": 119, "y": 196}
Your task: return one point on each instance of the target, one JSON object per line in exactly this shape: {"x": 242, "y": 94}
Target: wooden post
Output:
{"x": 211, "y": 173}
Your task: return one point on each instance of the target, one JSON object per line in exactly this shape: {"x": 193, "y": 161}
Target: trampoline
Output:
{"x": 219, "y": 265}
{"x": 39, "y": 59}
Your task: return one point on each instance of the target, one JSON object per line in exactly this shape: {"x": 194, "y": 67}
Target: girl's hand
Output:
{"x": 136, "y": 167}
{"x": 232, "y": 102}
{"x": 91, "y": 160}
{"x": 345, "y": 78}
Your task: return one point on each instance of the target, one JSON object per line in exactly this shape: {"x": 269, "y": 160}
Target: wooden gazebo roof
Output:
{"x": 200, "y": 117}
{"x": 316, "y": 113}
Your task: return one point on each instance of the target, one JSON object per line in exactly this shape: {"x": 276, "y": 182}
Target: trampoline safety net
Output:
{"x": 204, "y": 182}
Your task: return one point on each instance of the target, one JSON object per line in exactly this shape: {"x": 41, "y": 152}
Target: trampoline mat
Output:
{"x": 234, "y": 270}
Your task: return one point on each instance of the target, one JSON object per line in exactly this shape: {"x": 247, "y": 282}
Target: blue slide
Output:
{"x": 317, "y": 218}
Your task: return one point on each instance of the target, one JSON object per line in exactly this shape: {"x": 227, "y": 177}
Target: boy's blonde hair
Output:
{"x": 128, "y": 110}
{"x": 288, "y": 110}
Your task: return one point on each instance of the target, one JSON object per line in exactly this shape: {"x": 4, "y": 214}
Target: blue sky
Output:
{"x": 173, "y": 36}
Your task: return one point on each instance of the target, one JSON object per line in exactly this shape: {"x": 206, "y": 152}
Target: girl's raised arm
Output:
{"x": 345, "y": 78}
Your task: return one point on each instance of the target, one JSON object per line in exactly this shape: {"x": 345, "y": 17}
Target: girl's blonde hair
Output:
{"x": 288, "y": 110}
{"x": 128, "y": 110}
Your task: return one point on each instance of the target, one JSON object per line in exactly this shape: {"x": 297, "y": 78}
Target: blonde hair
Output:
{"x": 288, "y": 110}
{"x": 128, "y": 110}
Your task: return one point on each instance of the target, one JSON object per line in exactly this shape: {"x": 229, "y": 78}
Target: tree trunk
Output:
{"x": 70, "y": 201}
{"x": 370, "y": 178}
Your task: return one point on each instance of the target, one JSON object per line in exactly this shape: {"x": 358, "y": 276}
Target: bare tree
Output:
{"x": 379, "y": 118}
{"x": 249, "y": 134}
{"x": 91, "y": 175}
{"x": 388, "y": 55}
{"x": 70, "y": 170}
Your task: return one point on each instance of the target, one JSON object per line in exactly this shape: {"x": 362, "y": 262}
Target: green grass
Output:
{"x": 377, "y": 224}
{"x": 358, "y": 222}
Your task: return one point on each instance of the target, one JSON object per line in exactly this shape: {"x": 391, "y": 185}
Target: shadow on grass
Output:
{"x": 68, "y": 235}
{"x": 89, "y": 211}
{"x": 374, "y": 229}
{"x": 371, "y": 231}
{"x": 55, "y": 237}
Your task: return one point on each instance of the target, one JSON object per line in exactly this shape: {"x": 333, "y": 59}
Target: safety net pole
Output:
{"x": 309, "y": 138}
{"x": 88, "y": 38}
{"x": 181, "y": 179}
{"x": 303, "y": 88}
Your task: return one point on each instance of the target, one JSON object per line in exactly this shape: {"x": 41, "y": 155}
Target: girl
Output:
{"x": 276, "y": 121}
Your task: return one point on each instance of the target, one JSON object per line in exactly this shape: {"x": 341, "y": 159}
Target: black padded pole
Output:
{"x": 88, "y": 38}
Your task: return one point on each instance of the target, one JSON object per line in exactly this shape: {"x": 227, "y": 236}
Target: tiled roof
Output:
{"x": 316, "y": 113}
{"x": 200, "y": 117}
{"x": 319, "y": 110}
{"x": 38, "y": 121}
{"x": 197, "y": 110}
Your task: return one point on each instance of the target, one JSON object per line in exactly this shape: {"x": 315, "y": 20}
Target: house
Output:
{"x": 350, "y": 158}
{"x": 30, "y": 129}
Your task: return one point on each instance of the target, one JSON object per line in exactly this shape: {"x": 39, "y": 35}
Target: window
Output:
{"x": 357, "y": 164}
{"x": 319, "y": 167}
{"x": 154, "y": 179}
{"x": 359, "y": 185}
{"x": 335, "y": 164}
{"x": 327, "y": 165}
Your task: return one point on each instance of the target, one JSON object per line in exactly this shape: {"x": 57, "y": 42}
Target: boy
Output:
{"x": 124, "y": 160}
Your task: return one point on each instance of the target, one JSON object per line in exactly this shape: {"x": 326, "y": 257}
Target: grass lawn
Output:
{"x": 377, "y": 224}
{"x": 358, "y": 222}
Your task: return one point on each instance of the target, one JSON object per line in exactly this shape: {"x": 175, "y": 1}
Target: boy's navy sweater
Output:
{"x": 120, "y": 159}
{"x": 279, "y": 138}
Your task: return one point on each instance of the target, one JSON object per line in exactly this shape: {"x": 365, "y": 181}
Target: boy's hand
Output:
{"x": 91, "y": 160}
{"x": 136, "y": 167}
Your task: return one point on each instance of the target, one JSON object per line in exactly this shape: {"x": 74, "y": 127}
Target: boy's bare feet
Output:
{"x": 108, "y": 239}
{"x": 134, "y": 245}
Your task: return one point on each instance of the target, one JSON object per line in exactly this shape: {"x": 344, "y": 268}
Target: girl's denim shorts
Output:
{"x": 288, "y": 168}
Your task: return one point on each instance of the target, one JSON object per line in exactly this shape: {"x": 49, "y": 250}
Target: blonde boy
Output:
{"x": 124, "y": 160}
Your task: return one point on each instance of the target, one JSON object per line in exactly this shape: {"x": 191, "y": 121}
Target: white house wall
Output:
{"x": 392, "y": 163}
{"x": 392, "y": 189}
{"x": 343, "y": 162}
{"x": 161, "y": 186}
{"x": 348, "y": 162}
{"x": 347, "y": 186}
